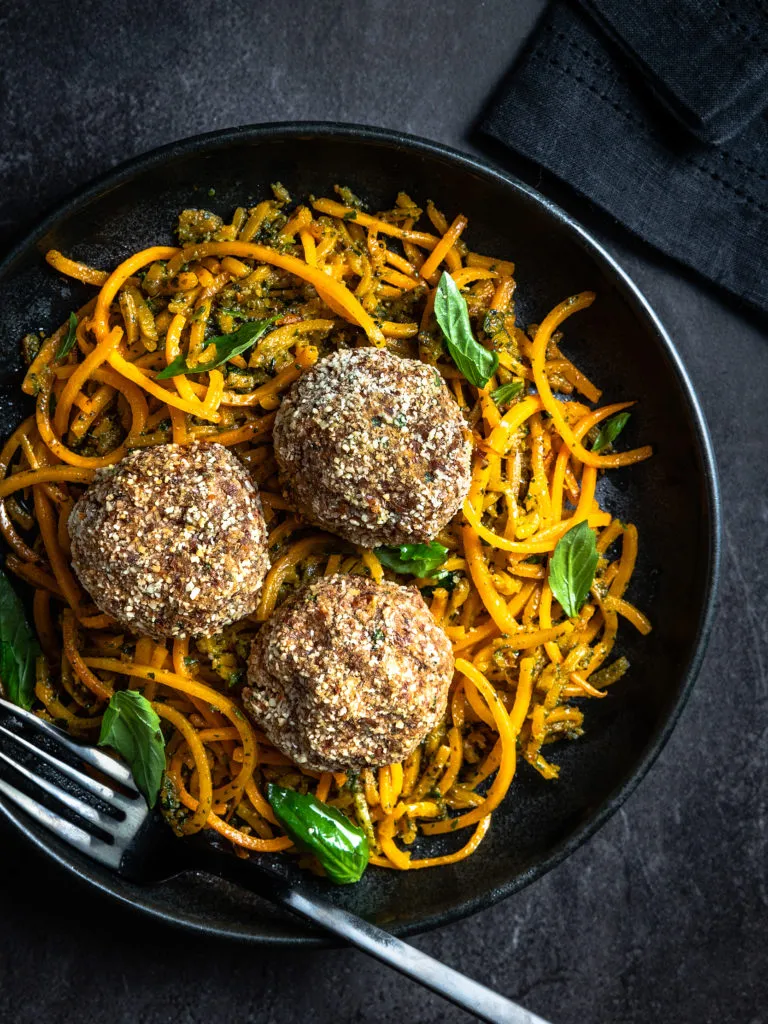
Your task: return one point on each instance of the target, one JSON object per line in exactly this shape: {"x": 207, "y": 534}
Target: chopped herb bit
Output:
{"x": 494, "y": 322}
{"x": 610, "y": 431}
{"x": 67, "y": 343}
{"x": 508, "y": 392}
{"x": 30, "y": 346}
{"x": 235, "y": 313}
{"x": 280, "y": 192}
{"x": 444, "y": 580}
{"x": 348, "y": 197}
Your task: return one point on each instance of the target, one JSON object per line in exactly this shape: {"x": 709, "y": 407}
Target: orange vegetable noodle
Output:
{"x": 328, "y": 274}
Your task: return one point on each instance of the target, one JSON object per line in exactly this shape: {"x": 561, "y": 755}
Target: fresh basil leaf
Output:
{"x": 227, "y": 345}
{"x": 610, "y": 430}
{"x": 412, "y": 559}
{"x": 507, "y": 392}
{"x": 131, "y": 726}
{"x": 67, "y": 343}
{"x": 19, "y": 648}
{"x": 340, "y": 846}
{"x": 572, "y": 568}
{"x": 476, "y": 363}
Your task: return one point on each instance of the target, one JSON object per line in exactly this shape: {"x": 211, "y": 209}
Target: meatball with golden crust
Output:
{"x": 374, "y": 448}
{"x": 171, "y": 541}
{"x": 349, "y": 673}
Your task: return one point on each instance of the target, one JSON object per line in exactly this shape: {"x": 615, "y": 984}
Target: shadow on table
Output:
{"x": 77, "y": 955}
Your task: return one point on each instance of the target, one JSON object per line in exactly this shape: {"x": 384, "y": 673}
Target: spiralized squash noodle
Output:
{"x": 331, "y": 275}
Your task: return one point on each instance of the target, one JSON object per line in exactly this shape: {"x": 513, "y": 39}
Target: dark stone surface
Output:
{"x": 662, "y": 916}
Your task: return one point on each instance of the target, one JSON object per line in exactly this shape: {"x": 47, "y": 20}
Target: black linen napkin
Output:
{"x": 628, "y": 112}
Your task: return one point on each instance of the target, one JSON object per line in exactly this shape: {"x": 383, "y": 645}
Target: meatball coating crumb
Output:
{"x": 171, "y": 541}
{"x": 374, "y": 448}
{"x": 349, "y": 673}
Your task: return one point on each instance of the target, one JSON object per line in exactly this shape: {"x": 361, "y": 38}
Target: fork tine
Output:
{"x": 79, "y": 806}
{"x": 96, "y": 758}
{"x": 108, "y": 854}
{"x": 87, "y": 783}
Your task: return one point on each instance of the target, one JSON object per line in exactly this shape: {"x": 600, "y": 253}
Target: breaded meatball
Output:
{"x": 374, "y": 448}
{"x": 171, "y": 541}
{"x": 349, "y": 673}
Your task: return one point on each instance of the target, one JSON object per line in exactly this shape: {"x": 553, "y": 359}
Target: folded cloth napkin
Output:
{"x": 706, "y": 60}
{"x": 655, "y": 110}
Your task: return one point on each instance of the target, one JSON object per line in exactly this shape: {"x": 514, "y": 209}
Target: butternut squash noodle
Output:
{"x": 333, "y": 276}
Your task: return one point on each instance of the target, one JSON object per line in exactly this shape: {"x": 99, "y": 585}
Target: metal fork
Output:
{"x": 123, "y": 815}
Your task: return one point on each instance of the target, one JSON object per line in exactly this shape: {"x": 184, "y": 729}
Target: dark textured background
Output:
{"x": 662, "y": 916}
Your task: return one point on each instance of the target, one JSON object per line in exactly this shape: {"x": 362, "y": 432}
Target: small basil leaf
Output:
{"x": 572, "y": 568}
{"x": 340, "y": 846}
{"x": 476, "y": 363}
{"x": 226, "y": 345}
{"x": 19, "y": 648}
{"x": 412, "y": 559}
{"x": 507, "y": 392}
{"x": 610, "y": 430}
{"x": 67, "y": 343}
{"x": 131, "y": 726}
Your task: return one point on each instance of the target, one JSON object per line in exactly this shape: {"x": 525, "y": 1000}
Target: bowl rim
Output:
{"x": 289, "y": 130}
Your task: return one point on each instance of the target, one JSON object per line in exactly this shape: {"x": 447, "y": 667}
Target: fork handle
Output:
{"x": 464, "y": 992}
{"x": 277, "y": 881}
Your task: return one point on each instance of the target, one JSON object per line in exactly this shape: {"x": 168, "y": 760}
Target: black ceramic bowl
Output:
{"x": 619, "y": 342}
